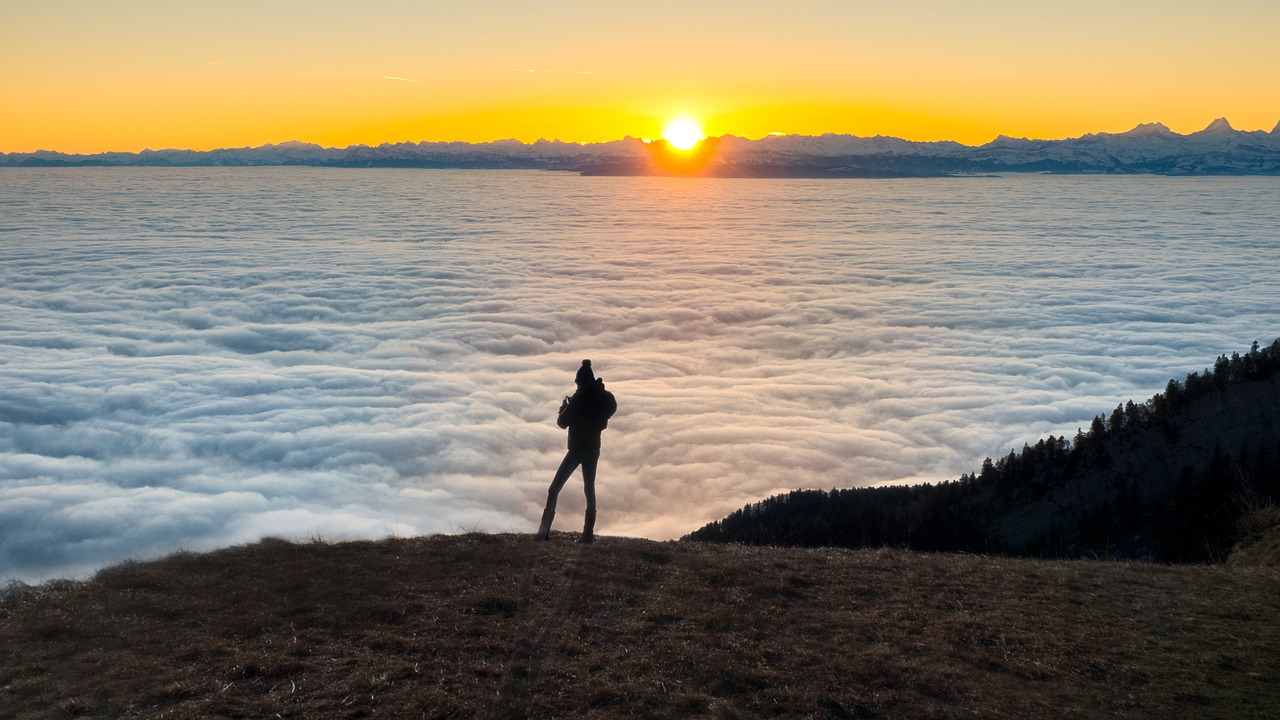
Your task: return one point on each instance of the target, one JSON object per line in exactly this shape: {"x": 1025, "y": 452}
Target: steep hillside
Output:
{"x": 482, "y": 626}
{"x": 1259, "y": 542}
{"x": 1169, "y": 480}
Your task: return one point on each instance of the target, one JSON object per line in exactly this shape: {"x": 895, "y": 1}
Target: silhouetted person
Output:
{"x": 585, "y": 414}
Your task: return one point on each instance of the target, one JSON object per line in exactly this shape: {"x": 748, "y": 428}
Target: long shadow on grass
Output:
{"x": 535, "y": 643}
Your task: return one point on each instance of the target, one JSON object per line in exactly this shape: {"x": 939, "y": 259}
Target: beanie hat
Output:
{"x": 584, "y": 373}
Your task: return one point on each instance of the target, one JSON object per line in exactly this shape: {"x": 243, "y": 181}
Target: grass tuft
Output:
{"x": 1259, "y": 531}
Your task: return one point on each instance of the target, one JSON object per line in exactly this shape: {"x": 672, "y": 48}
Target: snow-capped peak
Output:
{"x": 1219, "y": 126}
{"x": 1149, "y": 130}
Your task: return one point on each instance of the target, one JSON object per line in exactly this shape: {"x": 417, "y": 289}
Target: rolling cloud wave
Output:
{"x": 200, "y": 357}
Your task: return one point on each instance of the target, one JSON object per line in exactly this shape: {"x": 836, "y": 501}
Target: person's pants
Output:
{"x": 572, "y": 460}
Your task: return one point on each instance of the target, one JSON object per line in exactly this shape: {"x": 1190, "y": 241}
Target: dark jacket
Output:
{"x": 587, "y": 414}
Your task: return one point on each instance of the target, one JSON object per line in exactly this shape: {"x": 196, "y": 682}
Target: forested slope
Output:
{"x": 1167, "y": 480}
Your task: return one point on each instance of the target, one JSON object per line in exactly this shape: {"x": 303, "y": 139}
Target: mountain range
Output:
{"x": 1149, "y": 148}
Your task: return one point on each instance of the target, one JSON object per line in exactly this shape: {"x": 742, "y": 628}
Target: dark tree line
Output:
{"x": 1188, "y": 518}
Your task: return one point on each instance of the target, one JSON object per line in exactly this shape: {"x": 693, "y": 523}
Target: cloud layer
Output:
{"x": 199, "y": 357}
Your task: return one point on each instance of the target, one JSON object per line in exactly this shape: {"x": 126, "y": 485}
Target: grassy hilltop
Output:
{"x": 497, "y": 626}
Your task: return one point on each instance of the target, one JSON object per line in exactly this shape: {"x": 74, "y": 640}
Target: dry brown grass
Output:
{"x": 1259, "y": 537}
{"x": 497, "y": 626}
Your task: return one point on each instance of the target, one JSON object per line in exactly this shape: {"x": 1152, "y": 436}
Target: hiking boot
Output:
{"x": 544, "y": 528}
{"x": 588, "y": 529}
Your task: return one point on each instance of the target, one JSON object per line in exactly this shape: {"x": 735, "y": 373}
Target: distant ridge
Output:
{"x": 1150, "y": 130}
{"x": 1174, "y": 479}
{"x": 1148, "y": 148}
{"x": 1218, "y": 126}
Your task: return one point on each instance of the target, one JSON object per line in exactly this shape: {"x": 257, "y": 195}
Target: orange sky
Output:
{"x": 87, "y": 76}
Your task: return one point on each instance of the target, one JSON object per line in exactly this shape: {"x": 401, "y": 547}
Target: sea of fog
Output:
{"x": 199, "y": 357}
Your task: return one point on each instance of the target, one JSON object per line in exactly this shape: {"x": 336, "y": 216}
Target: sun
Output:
{"x": 682, "y": 133}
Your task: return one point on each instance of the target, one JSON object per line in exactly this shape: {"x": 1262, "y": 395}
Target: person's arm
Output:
{"x": 566, "y": 413}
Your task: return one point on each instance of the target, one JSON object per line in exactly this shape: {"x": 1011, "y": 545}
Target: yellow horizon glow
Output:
{"x": 683, "y": 133}
{"x": 138, "y": 74}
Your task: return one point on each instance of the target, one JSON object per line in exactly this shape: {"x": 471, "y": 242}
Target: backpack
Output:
{"x": 605, "y": 405}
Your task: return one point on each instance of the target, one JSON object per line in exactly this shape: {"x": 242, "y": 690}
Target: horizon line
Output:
{"x": 1220, "y": 124}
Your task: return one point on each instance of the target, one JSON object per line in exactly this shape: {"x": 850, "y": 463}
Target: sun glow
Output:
{"x": 683, "y": 133}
